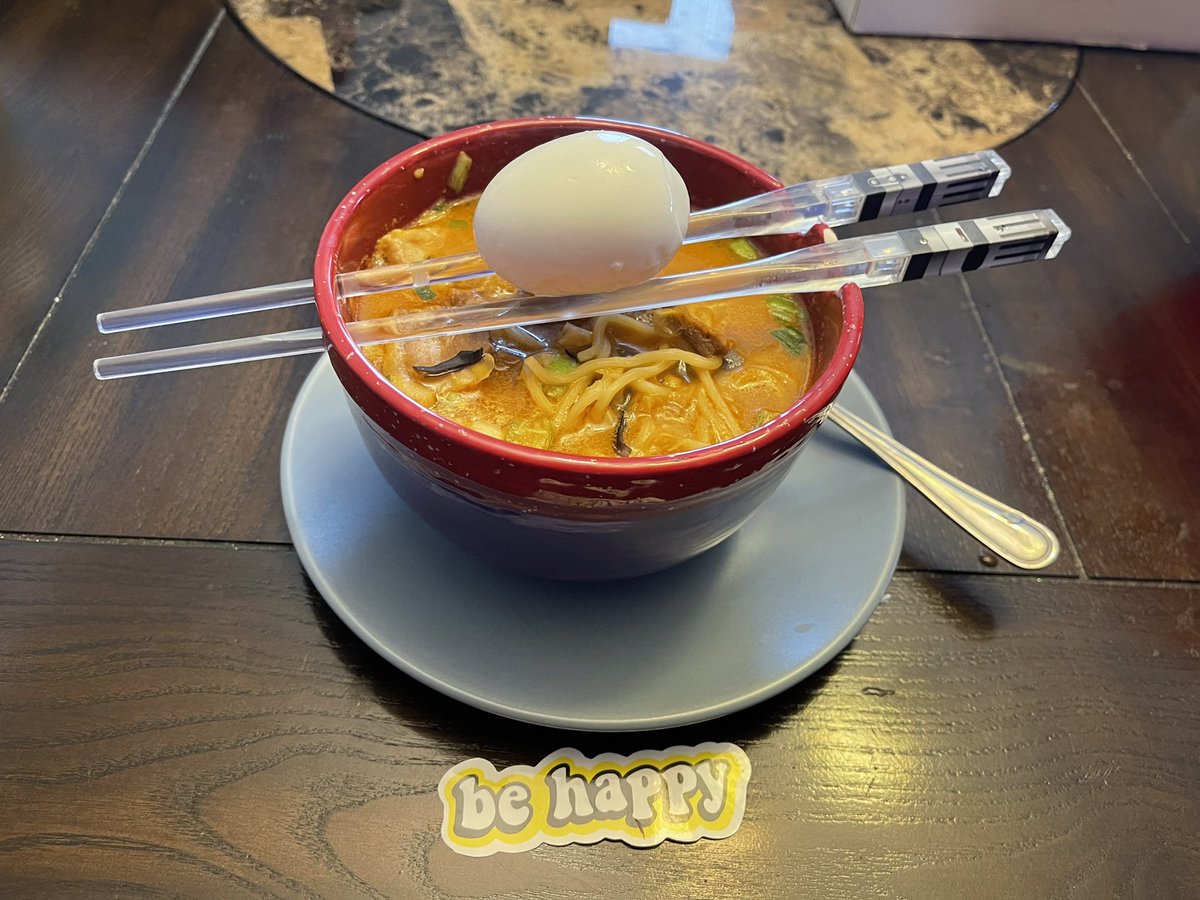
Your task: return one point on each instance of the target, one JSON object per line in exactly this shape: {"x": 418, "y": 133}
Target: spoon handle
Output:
{"x": 1002, "y": 529}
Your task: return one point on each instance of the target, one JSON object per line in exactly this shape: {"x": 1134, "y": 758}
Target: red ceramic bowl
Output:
{"x": 553, "y": 514}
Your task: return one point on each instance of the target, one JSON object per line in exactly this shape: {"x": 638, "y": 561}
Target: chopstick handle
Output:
{"x": 860, "y": 197}
{"x": 983, "y": 243}
{"x": 898, "y": 190}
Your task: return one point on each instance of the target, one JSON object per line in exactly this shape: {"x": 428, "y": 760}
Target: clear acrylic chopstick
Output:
{"x": 861, "y": 196}
{"x": 905, "y": 255}
{"x": 293, "y": 293}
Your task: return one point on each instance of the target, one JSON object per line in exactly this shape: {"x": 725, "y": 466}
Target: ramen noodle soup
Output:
{"x": 646, "y": 384}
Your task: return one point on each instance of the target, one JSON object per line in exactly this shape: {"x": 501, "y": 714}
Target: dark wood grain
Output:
{"x": 242, "y": 188}
{"x": 191, "y": 719}
{"x": 1149, "y": 100}
{"x": 234, "y": 192}
{"x": 81, "y": 85}
{"x": 188, "y": 717}
{"x": 1099, "y": 349}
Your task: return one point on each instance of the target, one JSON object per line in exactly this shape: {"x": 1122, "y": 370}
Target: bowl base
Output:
{"x": 734, "y": 626}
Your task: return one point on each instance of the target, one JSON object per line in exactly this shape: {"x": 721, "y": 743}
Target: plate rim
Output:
{"x": 694, "y": 715}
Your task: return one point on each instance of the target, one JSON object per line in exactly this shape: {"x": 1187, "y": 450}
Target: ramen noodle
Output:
{"x": 647, "y": 384}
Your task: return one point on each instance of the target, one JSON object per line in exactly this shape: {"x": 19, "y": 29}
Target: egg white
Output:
{"x": 586, "y": 213}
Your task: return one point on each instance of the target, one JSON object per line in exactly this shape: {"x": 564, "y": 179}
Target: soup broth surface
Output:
{"x": 646, "y": 384}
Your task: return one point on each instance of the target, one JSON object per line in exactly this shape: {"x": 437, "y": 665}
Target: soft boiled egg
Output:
{"x": 587, "y": 213}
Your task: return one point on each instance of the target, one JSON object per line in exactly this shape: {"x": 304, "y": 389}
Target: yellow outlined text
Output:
{"x": 679, "y": 794}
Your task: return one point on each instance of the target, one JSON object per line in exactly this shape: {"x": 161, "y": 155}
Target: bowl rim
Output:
{"x": 819, "y": 395}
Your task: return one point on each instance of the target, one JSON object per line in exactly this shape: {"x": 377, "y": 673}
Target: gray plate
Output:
{"x": 734, "y": 626}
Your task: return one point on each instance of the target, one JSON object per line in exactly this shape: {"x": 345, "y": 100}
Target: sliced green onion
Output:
{"x": 426, "y": 293}
{"x": 792, "y": 339}
{"x": 783, "y": 309}
{"x": 743, "y": 248}
{"x": 561, "y": 364}
{"x": 458, "y": 175}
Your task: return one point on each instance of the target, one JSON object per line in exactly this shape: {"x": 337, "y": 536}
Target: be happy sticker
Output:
{"x": 679, "y": 794}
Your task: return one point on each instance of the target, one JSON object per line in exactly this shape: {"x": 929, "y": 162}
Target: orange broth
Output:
{"x": 760, "y": 366}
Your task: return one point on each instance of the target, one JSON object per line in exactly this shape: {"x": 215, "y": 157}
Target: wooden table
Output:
{"x": 180, "y": 714}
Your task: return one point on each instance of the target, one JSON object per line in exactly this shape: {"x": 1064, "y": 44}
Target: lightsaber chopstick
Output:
{"x": 841, "y": 200}
{"x": 905, "y": 255}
